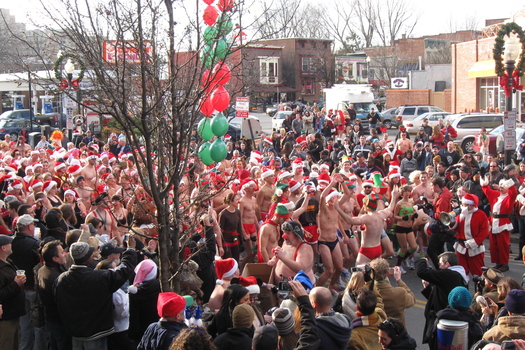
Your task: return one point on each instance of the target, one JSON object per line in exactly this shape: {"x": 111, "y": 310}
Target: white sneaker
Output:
{"x": 402, "y": 270}
{"x": 410, "y": 263}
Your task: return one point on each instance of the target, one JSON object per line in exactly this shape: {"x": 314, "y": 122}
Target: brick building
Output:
{"x": 307, "y": 66}
{"x": 475, "y": 86}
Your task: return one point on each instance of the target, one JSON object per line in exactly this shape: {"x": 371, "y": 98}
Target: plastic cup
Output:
{"x": 20, "y": 273}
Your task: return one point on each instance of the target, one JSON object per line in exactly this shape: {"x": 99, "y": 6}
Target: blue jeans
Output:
{"x": 58, "y": 338}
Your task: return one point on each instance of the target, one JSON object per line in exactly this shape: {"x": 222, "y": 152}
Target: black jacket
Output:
{"x": 309, "y": 338}
{"x": 160, "y": 335}
{"x": 12, "y": 296}
{"x": 475, "y": 330}
{"x": 46, "y": 277}
{"x": 403, "y": 342}
{"x": 442, "y": 281}
{"x": 25, "y": 256}
{"x": 143, "y": 308}
{"x": 85, "y": 297}
{"x": 235, "y": 338}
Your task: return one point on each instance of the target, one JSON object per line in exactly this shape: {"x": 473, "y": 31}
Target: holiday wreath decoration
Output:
{"x": 507, "y": 29}
{"x": 64, "y": 83}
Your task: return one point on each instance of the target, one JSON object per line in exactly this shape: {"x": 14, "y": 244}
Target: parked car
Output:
{"x": 53, "y": 119}
{"x": 496, "y": 141}
{"x": 433, "y": 117}
{"x": 278, "y": 118}
{"x": 271, "y": 110}
{"x": 468, "y": 126}
{"x": 14, "y": 126}
{"x": 390, "y": 118}
{"x": 410, "y": 112}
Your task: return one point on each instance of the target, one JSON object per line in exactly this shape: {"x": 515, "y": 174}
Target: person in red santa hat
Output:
{"x": 501, "y": 206}
{"x": 249, "y": 219}
{"x": 264, "y": 196}
{"x": 473, "y": 228}
{"x": 226, "y": 270}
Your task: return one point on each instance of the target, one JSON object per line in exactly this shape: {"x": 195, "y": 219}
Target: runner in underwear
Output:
{"x": 249, "y": 220}
{"x": 404, "y": 217}
{"x": 269, "y": 234}
{"x": 263, "y": 198}
{"x": 373, "y": 221}
{"x": 329, "y": 249}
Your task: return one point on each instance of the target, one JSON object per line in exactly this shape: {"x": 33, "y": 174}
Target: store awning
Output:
{"x": 482, "y": 69}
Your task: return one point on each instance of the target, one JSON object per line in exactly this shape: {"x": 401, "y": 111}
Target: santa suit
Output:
{"x": 500, "y": 204}
{"x": 473, "y": 228}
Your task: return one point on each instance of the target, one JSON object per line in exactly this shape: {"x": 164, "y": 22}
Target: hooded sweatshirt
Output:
{"x": 334, "y": 330}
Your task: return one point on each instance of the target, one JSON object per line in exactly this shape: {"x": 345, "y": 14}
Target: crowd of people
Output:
{"x": 327, "y": 206}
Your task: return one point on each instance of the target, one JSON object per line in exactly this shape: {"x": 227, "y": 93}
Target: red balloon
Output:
{"x": 221, "y": 73}
{"x": 210, "y": 15}
{"x": 225, "y": 5}
{"x": 220, "y": 99}
{"x": 208, "y": 2}
{"x": 207, "y": 106}
{"x": 205, "y": 78}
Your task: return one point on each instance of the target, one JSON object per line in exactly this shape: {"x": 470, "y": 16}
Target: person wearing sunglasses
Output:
{"x": 393, "y": 335}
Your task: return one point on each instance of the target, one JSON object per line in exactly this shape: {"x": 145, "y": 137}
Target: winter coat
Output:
{"x": 408, "y": 166}
{"x": 160, "y": 335}
{"x": 143, "y": 308}
{"x": 508, "y": 328}
{"x": 403, "y": 342}
{"x": 235, "y": 338}
{"x": 12, "y": 296}
{"x": 334, "y": 330}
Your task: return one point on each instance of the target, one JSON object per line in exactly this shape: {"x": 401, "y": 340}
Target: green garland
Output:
{"x": 506, "y": 29}
{"x": 58, "y": 64}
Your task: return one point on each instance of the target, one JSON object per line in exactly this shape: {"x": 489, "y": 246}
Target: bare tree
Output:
{"x": 337, "y": 19}
{"x": 366, "y": 16}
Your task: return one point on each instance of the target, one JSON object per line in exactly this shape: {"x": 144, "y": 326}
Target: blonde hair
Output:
{"x": 380, "y": 267}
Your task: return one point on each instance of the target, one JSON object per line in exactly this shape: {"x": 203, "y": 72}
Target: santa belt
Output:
{"x": 500, "y": 216}
{"x": 235, "y": 237}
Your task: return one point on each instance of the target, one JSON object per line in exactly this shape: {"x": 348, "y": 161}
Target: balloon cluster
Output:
{"x": 218, "y": 73}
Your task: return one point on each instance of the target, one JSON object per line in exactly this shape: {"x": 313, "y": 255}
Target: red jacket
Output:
{"x": 442, "y": 203}
{"x": 438, "y": 140}
{"x": 473, "y": 229}
{"x": 502, "y": 206}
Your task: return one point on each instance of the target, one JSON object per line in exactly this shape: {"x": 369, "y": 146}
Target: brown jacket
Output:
{"x": 508, "y": 328}
{"x": 396, "y": 299}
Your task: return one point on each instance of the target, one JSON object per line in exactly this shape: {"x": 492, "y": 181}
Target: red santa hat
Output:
{"x": 294, "y": 185}
{"x": 15, "y": 185}
{"x": 266, "y": 173}
{"x": 226, "y": 267}
{"x": 470, "y": 199}
{"x": 33, "y": 185}
{"x": 368, "y": 183}
{"x": 323, "y": 178}
{"x": 284, "y": 175}
{"x": 91, "y": 155}
{"x": 59, "y": 165}
{"x": 100, "y": 167}
{"x": 324, "y": 167}
{"x": 48, "y": 185}
{"x": 247, "y": 183}
{"x": 71, "y": 192}
{"x": 393, "y": 173}
{"x": 250, "y": 283}
{"x": 297, "y": 163}
{"x": 268, "y": 140}
{"x": 332, "y": 194}
{"x": 35, "y": 152}
{"x": 104, "y": 155}
{"x": 227, "y": 137}
{"x": 11, "y": 167}
{"x": 74, "y": 170}
{"x": 390, "y": 144}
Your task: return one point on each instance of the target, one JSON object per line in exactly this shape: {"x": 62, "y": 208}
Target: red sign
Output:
{"x": 242, "y": 107}
{"x": 128, "y": 51}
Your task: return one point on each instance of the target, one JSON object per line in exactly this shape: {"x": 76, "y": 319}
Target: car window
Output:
{"x": 422, "y": 110}
{"x": 410, "y": 111}
{"x": 435, "y": 109}
{"x": 468, "y": 123}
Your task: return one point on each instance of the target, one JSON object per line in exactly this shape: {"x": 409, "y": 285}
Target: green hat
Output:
{"x": 282, "y": 211}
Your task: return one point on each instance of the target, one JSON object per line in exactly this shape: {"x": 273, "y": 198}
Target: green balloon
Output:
{"x": 221, "y": 50}
{"x": 218, "y": 150}
{"x": 224, "y": 25}
{"x": 204, "y": 129}
{"x": 210, "y": 34}
{"x": 204, "y": 153}
{"x": 206, "y": 55}
{"x": 219, "y": 125}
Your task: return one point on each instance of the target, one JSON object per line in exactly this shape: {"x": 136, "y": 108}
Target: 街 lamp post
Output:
{"x": 69, "y": 83}
{"x": 509, "y": 48}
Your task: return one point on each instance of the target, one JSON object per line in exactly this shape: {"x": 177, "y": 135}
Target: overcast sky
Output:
{"x": 437, "y": 16}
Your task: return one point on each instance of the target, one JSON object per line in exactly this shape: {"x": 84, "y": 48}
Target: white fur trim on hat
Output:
{"x": 313, "y": 174}
{"x": 295, "y": 187}
{"x": 284, "y": 174}
{"x": 290, "y": 206}
{"x": 93, "y": 156}
{"x": 60, "y": 166}
{"x": 248, "y": 184}
{"x": 253, "y": 289}
{"x": 50, "y": 186}
{"x": 232, "y": 271}
{"x": 332, "y": 195}
{"x": 324, "y": 166}
{"x": 466, "y": 201}
{"x": 71, "y": 192}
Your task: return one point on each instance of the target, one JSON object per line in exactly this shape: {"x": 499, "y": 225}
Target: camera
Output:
{"x": 284, "y": 286}
{"x": 479, "y": 282}
{"x": 426, "y": 206}
{"x": 507, "y": 344}
{"x": 366, "y": 269}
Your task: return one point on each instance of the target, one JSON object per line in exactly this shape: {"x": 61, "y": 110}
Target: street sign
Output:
{"x": 509, "y": 135}
{"x": 69, "y": 102}
{"x": 242, "y": 107}
{"x": 509, "y": 138}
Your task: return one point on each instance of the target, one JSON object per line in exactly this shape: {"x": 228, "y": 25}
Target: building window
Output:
{"x": 307, "y": 65}
{"x": 308, "y": 87}
{"x": 490, "y": 95}
{"x": 268, "y": 69}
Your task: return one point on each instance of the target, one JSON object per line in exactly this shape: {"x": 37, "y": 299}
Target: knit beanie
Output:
{"x": 243, "y": 316}
{"x": 515, "y": 301}
{"x": 459, "y": 298}
{"x": 284, "y": 321}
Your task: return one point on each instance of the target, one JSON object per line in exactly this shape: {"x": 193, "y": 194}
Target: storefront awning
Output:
{"x": 482, "y": 69}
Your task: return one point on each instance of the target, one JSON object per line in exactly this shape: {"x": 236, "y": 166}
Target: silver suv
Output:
{"x": 468, "y": 125}
{"x": 409, "y": 112}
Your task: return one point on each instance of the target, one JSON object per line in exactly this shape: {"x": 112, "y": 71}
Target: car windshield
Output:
{"x": 282, "y": 115}
{"x": 498, "y": 130}
{"x": 8, "y": 123}
{"x": 364, "y": 107}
